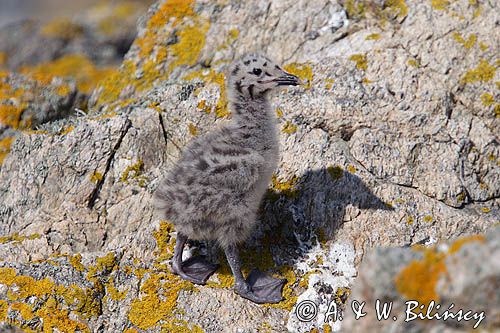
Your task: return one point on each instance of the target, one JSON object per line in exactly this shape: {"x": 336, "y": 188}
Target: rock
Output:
{"x": 389, "y": 143}
{"x": 464, "y": 272}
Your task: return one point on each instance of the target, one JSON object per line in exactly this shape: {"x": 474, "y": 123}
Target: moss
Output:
{"x": 361, "y": 61}
{"x": 96, "y": 177}
{"x": 336, "y": 172}
{"x": 62, "y": 28}
{"x": 469, "y": 43}
{"x": 484, "y": 72}
{"x": 193, "y": 130}
{"x": 487, "y": 99}
{"x": 5, "y": 144}
{"x": 303, "y": 71}
{"x": 289, "y": 127}
{"x": 440, "y": 4}
{"x": 372, "y": 37}
{"x": 75, "y": 66}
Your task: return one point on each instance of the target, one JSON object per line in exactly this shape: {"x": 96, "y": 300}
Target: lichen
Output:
{"x": 484, "y": 72}
{"x": 360, "y": 60}
{"x": 16, "y": 238}
{"x": 440, "y": 4}
{"x": 212, "y": 77}
{"x": 329, "y": 83}
{"x": 287, "y": 188}
{"x": 469, "y": 43}
{"x": 336, "y": 172}
{"x": 410, "y": 220}
{"x": 134, "y": 171}
{"x": 374, "y": 36}
{"x": 5, "y": 144}
{"x": 487, "y": 99}
{"x": 279, "y": 113}
{"x": 164, "y": 241}
{"x": 289, "y": 127}
{"x": 428, "y": 219}
{"x": 193, "y": 130}
{"x": 74, "y": 66}
{"x": 486, "y": 210}
{"x": 96, "y": 177}
{"x": 303, "y": 71}
{"x": 351, "y": 168}
{"x": 62, "y": 28}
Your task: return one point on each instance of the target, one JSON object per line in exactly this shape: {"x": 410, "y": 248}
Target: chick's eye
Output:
{"x": 257, "y": 71}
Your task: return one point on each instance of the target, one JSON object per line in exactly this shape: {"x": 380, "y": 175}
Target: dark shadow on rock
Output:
{"x": 311, "y": 209}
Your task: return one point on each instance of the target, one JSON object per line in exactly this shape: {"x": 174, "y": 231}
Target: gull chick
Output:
{"x": 215, "y": 189}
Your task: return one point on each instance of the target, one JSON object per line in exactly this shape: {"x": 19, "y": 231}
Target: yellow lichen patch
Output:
{"x": 469, "y": 43}
{"x": 96, "y": 177}
{"x": 75, "y": 66}
{"x": 62, "y": 28}
{"x": 157, "y": 300}
{"x": 336, "y": 172}
{"x": 67, "y": 130}
{"x": 361, "y": 61}
{"x": 304, "y": 280}
{"x": 354, "y": 8}
{"x": 483, "y": 46}
{"x": 4, "y": 309}
{"x": 487, "y": 99}
{"x": 372, "y": 37}
{"x": 164, "y": 241}
{"x": 329, "y": 83}
{"x": 455, "y": 246}
{"x": 134, "y": 171}
{"x": 279, "y": 113}
{"x": 327, "y": 328}
{"x": 341, "y": 295}
{"x": 191, "y": 42}
{"x": 497, "y": 110}
{"x": 413, "y": 63}
{"x": 5, "y": 147}
{"x": 56, "y": 319}
{"x": 3, "y": 59}
{"x": 428, "y": 218}
{"x": 303, "y": 71}
{"x": 351, "y": 168}
{"x": 10, "y": 115}
{"x": 16, "y": 238}
{"x": 76, "y": 262}
{"x": 484, "y": 72}
{"x": 287, "y": 187}
{"x": 366, "y": 80}
{"x": 440, "y": 4}
{"x": 289, "y": 127}
{"x": 113, "y": 292}
{"x": 114, "y": 17}
{"x": 417, "y": 281}
{"x": 193, "y": 130}
{"x": 221, "y": 109}
{"x": 409, "y": 220}
{"x": 289, "y": 293}
{"x": 486, "y": 210}
{"x": 397, "y": 7}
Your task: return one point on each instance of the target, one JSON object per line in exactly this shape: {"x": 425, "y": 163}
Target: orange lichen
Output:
{"x": 75, "y": 66}
{"x": 417, "y": 281}
{"x": 3, "y": 59}
{"x": 62, "y": 28}
{"x": 5, "y": 148}
{"x": 351, "y": 168}
{"x": 221, "y": 108}
{"x": 455, "y": 246}
{"x": 96, "y": 177}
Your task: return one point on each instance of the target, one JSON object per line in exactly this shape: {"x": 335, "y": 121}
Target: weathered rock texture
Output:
{"x": 393, "y": 141}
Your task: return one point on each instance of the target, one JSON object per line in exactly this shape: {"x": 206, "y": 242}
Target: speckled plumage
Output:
{"x": 215, "y": 189}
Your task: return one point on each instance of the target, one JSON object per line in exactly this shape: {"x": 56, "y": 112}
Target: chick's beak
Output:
{"x": 287, "y": 79}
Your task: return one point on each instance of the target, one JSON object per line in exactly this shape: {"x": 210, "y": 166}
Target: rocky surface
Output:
{"x": 393, "y": 141}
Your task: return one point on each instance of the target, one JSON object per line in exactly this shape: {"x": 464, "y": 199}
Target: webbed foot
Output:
{"x": 261, "y": 288}
{"x": 196, "y": 269}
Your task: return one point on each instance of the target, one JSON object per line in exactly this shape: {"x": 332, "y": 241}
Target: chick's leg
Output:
{"x": 258, "y": 287}
{"x": 196, "y": 269}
